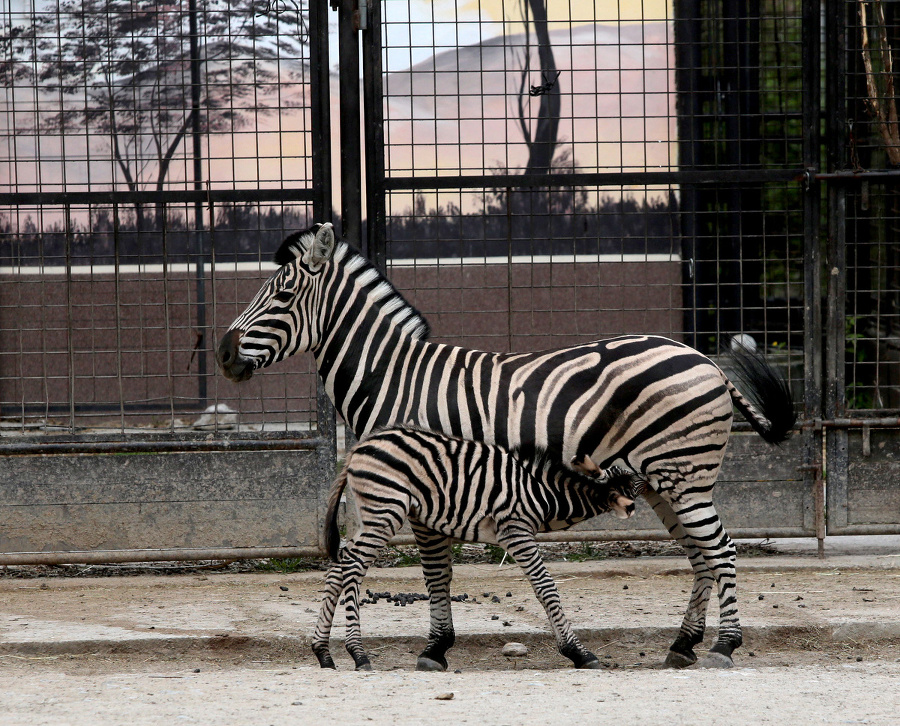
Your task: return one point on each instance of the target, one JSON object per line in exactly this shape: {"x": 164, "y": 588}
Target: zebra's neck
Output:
{"x": 365, "y": 321}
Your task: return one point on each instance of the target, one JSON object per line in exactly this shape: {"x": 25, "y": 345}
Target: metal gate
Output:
{"x": 539, "y": 179}
{"x": 861, "y": 417}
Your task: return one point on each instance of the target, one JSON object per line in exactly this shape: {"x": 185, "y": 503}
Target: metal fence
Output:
{"x": 529, "y": 174}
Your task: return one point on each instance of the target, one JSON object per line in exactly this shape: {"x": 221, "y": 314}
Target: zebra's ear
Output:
{"x": 321, "y": 247}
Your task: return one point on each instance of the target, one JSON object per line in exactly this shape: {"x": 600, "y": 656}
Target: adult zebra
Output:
{"x": 642, "y": 402}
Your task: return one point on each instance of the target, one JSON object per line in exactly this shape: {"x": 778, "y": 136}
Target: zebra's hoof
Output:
{"x": 591, "y": 665}
{"x": 679, "y": 660}
{"x": 364, "y": 667}
{"x": 715, "y": 660}
{"x": 427, "y": 664}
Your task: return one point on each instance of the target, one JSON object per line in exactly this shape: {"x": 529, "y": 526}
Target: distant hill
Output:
{"x": 457, "y": 112}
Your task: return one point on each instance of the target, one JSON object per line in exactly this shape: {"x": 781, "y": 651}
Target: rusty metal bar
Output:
{"x": 648, "y": 535}
{"x": 41, "y": 448}
{"x": 847, "y": 423}
{"x": 101, "y": 557}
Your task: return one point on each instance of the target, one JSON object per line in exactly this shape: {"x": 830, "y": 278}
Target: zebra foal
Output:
{"x": 455, "y": 488}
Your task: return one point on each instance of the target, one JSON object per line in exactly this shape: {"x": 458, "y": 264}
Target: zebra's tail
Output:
{"x": 770, "y": 408}
{"x": 332, "y": 534}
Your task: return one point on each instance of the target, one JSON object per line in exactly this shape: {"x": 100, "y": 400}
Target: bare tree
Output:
{"x": 122, "y": 68}
{"x": 541, "y": 140}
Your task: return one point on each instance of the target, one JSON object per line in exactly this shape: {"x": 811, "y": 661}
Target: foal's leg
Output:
{"x": 355, "y": 560}
{"x": 437, "y": 568}
{"x": 681, "y": 653}
{"x": 334, "y": 583}
{"x": 519, "y": 542}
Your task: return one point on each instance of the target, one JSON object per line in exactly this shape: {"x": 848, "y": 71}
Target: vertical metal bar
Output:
{"x": 70, "y": 319}
{"x": 320, "y": 110}
{"x": 373, "y": 89}
{"x": 833, "y": 393}
{"x": 351, "y": 151}
{"x": 688, "y": 109}
{"x": 197, "y": 149}
{"x": 812, "y": 267}
{"x": 320, "y": 121}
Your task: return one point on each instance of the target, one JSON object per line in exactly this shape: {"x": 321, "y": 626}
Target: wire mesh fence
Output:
{"x": 553, "y": 175}
{"x": 154, "y": 156}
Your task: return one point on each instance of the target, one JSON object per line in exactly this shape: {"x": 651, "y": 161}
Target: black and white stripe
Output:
{"x": 455, "y": 488}
{"x": 646, "y": 403}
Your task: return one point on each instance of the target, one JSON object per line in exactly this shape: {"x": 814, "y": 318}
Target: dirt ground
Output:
{"x": 87, "y": 691}
{"x": 221, "y": 646}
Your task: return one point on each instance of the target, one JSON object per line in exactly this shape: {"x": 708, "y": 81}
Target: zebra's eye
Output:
{"x": 284, "y": 296}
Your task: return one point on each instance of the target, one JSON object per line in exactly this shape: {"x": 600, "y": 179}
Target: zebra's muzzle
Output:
{"x": 233, "y": 366}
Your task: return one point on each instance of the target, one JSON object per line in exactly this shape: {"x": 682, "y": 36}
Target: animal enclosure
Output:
{"x": 529, "y": 176}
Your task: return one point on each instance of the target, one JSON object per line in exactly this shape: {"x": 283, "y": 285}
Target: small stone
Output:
{"x": 297, "y": 703}
{"x": 751, "y": 654}
{"x": 486, "y": 594}
{"x": 624, "y": 587}
{"x": 196, "y": 670}
{"x": 519, "y": 608}
{"x": 859, "y": 659}
{"x": 506, "y": 623}
{"x": 775, "y": 606}
{"x": 643, "y": 654}
{"x": 514, "y": 650}
{"x": 495, "y": 599}
{"x": 495, "y": 617}
{"x": 444, "y": 697}
{"x": 283, "y": 588}
{"x": 457, "y": 671}
{"x": 509, "y": 594}
{"x": 762, "y": 597}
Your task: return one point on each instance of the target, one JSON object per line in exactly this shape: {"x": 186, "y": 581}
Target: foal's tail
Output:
{"x": 332, "y": 535}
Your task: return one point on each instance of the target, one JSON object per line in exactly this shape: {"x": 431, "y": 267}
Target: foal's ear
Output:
{"x": 321, "y": 247}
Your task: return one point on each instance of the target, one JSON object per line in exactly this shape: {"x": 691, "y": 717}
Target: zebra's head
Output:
{"x": 281, "y": 320}
{"x": 623, "y": 490}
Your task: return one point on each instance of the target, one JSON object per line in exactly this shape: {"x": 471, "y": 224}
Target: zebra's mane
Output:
{"x": 389, "y": 298}
{"x": 351, "y": 261}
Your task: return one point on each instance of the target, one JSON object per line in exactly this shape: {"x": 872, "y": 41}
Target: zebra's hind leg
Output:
{"x": 334, "y": 583}
{"x": 681, "y": 653}
{"x": 519, "y": 542}
{"x": 437, "y": 568}
{"x": 702, "y": 526}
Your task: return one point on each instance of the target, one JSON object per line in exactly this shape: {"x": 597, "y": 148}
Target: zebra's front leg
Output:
{"x": 519, "y": 542}
{"x": 681, "y": 653}
{"x": 334, "y": 583}
{"x": 437, "y": 568}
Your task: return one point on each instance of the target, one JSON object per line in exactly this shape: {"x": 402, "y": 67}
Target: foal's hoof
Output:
{"x": 591, "y": 665}
{"x": 427, "y": 664}
{"x": 715, "y": 660}
{"x": 680, "y": 660}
